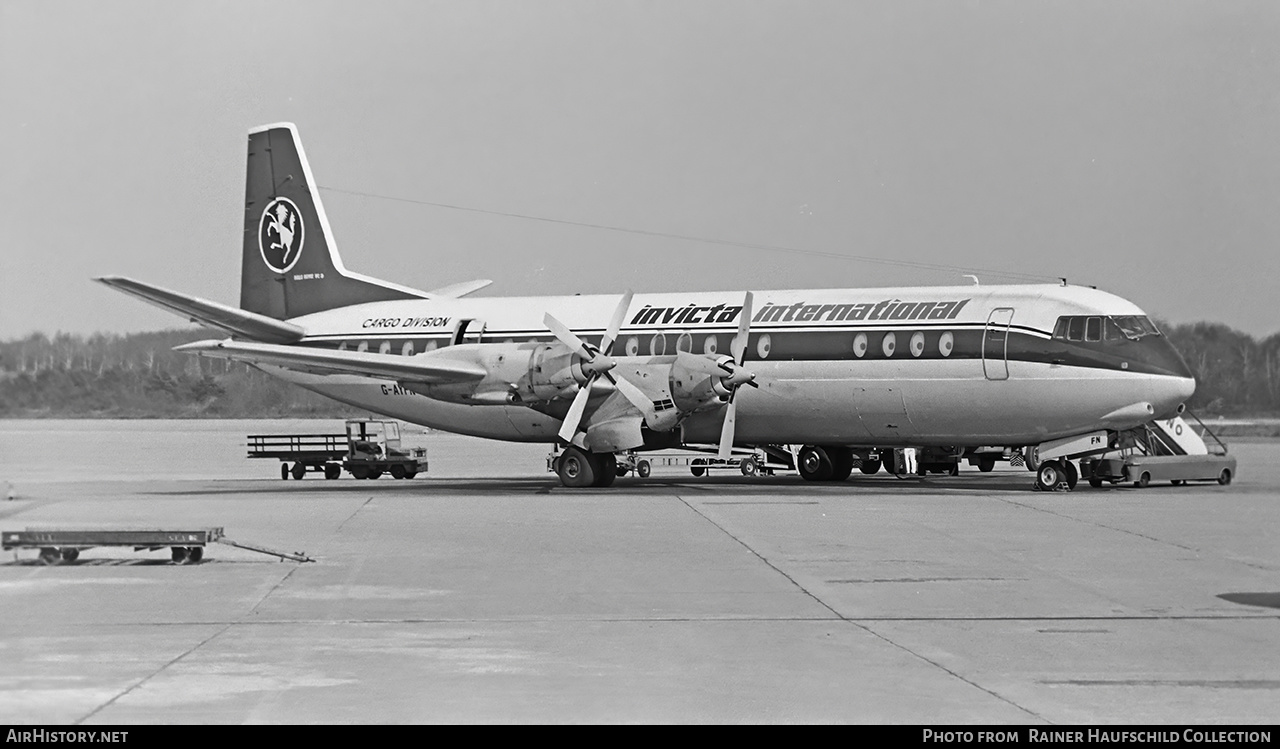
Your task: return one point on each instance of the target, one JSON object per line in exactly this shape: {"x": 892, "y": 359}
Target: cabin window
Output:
{"x": 889, "y": 344}
{"x": 407, "y": 349}
{"x": 658, "y": 344}
{"x": 633, "y": 346}
{"x": 917, "y": 343}
{"x": 860, "y": 345}
{"x": 342, "y": 346}
{"x": 430, "y": 346}
{"x": 385, "y": 347}
{"x": 1093, "y": 329}
{"x": 710, "y": 346}
{"x": 764, "y": 346}
{"x": 946, "y": 343}
{"x": 685, "y": 343}
{"x": 363, "y": 347}
{"x": 1060, "y": 330}
{"x": 1136, "y": 326}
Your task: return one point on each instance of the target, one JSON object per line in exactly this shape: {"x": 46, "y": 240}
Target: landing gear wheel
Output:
{"x": 841, "y": 463}
{"x": 575, "y": 469}
{"x": 1143, "y": 480}
{"x": 1073, "y": 476}
{"x": 284, "y": 471}
{"x": 70, "y": 555}
{"x": 643, "y": 468}
{"x": 298, "y": 471}
{"x": 1224, "y": 478}
{"x": 179, "y": 554}
{"x": 814, "y": 465}
{"x": 606, "y": 467}
{"x": 50, "y": 556}
{"x": 397, "y": 471}
{"x": 870, "y": 467}
{"x": 698, "y": 467}
{"x": 986, "y": 465}
{"x": 332, "y": 471}
{"x": 1048, "y": 476}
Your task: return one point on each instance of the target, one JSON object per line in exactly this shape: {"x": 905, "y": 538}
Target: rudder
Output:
{"x": 290, "y": 266}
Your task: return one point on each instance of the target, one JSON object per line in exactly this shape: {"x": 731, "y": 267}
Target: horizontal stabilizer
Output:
{"x": 211, "y": 314}
{"x": 456, "y": 290}
{"x": 427, "y": 368}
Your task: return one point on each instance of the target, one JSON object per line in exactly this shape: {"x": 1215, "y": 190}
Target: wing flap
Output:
{"x": 210, "y": 314}
{"x": 430, "y": 368}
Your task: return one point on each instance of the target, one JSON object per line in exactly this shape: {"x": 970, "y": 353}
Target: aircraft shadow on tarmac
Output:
{"x": 1007, "y": 483}
{"x": 1267, "y": 600}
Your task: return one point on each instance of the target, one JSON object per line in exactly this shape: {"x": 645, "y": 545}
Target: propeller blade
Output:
{"x": 633, "y": 394}
{"x": 700, "y": 364}
{"x": 566, "y": 336}
{"x": 619, "y": 314}
{"x": 739, "y": 345}
{"x": 726, "y": 432}
{"x": 572, "y": 419}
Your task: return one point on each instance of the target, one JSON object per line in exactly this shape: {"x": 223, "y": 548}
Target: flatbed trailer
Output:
{"x": 368, "y": 449}
{"x": 59, "y": 545}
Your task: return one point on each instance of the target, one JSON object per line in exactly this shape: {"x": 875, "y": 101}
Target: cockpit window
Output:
{"x": 1093, "y": 329}
{"x": 1136, "y": 326}
{"x": 1096, "y": 328}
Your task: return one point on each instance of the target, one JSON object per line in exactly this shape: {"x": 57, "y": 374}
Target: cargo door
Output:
{"x": 995, "y": 344}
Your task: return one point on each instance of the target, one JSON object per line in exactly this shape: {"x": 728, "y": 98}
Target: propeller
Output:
{"x": 596, "y": 362}
{"x": 737, "y": 377}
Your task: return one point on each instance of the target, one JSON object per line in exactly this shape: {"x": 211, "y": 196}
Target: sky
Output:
{"x": 655, "y": 145}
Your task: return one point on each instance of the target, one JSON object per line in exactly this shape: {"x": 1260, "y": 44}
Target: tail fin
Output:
{"x": 290, "y": 265}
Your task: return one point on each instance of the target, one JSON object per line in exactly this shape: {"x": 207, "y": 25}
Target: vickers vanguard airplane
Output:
{"x": 845, "y": 373}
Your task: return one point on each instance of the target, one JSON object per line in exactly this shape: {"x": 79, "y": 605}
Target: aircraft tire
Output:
{"x": 643, "y": 469}
{"x": 841, "y": 463}
{"x": 870, "y": 467}
{"x": 815, "y": 464}
{"x": 606, "y": 469}
{"x": 749, "y": 467}
{"x": 575, "y": 468}
{"x": 1048, "y": 476}
{"x": 1073, "y": 476}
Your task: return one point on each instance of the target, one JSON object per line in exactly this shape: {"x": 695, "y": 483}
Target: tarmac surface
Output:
{"x": 485, "y": 592}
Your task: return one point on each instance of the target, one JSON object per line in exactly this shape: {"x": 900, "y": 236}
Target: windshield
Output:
{"x": 1135, "y": 326}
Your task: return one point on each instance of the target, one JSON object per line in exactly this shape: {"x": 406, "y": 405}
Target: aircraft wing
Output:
{"x": 424, "y": 368}
{"x": 211, "y": 314}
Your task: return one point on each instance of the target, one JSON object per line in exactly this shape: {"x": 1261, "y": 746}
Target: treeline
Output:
{"x": 140, "y": 376}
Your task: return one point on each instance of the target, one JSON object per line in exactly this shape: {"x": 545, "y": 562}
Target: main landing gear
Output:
{"x": 826, "y": 463}
{"x": 578, "y": 468}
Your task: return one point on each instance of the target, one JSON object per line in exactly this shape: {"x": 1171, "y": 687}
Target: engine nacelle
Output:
{"x": 517, "y": 373}
{"x": 693, "y": 390}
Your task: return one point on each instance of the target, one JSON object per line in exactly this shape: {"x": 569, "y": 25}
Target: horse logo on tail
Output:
{"x": 280, "y": 235}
